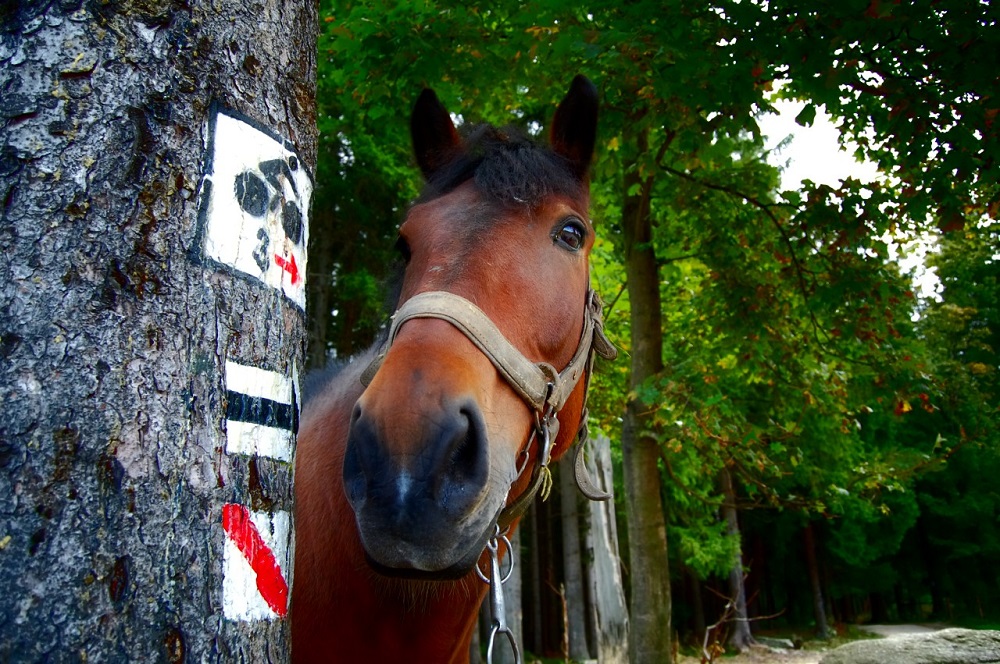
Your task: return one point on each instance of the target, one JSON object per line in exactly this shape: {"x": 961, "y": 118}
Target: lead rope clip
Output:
{"x": 495, "y": 581}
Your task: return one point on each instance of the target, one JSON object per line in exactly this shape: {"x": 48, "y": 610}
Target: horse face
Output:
{"x": 438, "y": 437}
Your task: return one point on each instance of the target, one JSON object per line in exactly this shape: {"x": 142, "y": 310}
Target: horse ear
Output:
{"x": 435, "y": 140}
{"x": 574, "y": 127}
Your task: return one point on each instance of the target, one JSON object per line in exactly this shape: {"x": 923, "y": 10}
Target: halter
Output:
{"x": 541, "y": 386}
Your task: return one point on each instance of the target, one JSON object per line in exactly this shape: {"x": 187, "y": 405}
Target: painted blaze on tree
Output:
{"x": 148, "y": 386}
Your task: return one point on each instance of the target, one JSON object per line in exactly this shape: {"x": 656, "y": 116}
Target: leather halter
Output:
{"x": 539, "y": 384}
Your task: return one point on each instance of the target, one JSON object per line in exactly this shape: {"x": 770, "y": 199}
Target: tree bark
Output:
{"x": 740, "y": 637}
{"x": 125, "y": 347}
{"x": 576, "y": 600}
{"x": 650, "y": 574}
{"x": 611, "y": 624}
{"x": 819, "y": 610}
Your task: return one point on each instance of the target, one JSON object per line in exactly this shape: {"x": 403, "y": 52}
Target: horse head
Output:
{"x": 482, "y": 377}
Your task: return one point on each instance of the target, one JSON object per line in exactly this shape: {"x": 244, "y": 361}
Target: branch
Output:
{"x": 618, "y": 295}
{"x": 800, "y": 270}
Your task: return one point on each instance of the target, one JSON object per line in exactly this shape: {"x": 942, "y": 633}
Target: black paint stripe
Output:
{"x": 258, "y": 410}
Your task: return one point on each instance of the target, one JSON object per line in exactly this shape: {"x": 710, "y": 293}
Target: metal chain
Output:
{"x": 495, "y": 581}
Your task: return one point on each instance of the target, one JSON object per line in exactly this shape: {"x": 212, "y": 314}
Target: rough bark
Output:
{"x": 576, "y": 600}
{"x": 115, "y": 332}
{"x": 819, "y": 610}
{"x": 603, "y": 562}
{"x": 650, "y": 576}
{"x": 740, "y": 636}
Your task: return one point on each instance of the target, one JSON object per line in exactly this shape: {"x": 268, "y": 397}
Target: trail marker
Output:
{"x": 254, "y": 210}
{"x": 255, "y": 552}
{"x": 261, "y": 412}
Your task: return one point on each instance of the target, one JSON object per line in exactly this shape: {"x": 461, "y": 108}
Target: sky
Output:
{"x": 815, "y": 154}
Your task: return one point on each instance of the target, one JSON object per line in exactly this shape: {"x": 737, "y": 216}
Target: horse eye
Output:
{"x": 571, "y": 235}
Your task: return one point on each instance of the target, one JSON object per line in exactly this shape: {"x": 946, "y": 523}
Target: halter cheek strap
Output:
{"x": 541, "y": 386}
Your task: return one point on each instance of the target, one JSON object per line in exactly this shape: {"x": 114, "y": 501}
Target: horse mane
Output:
{"x": 508, "y": 167}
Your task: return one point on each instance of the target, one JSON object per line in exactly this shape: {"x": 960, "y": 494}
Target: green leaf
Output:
{"x": 806, "y": 116}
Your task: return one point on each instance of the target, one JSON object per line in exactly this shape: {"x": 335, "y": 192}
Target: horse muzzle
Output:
{"x": 425, "y": 498}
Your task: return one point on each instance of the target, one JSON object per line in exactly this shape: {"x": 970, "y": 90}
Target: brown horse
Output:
{"x": 405, "y": 487}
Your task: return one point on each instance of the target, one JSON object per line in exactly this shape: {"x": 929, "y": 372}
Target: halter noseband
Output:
{"x": 539, "y": 384}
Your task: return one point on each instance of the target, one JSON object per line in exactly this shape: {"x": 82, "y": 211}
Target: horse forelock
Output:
{"x": 508, "y": 167}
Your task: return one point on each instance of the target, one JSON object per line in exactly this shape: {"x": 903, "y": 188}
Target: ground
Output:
{"x": 813, "y": 652}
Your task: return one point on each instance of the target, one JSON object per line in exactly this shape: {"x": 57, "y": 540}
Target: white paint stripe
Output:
{"x": 259, "y": 440}
{"x": 256, "y": 382}
{"x": 256, "y": 439}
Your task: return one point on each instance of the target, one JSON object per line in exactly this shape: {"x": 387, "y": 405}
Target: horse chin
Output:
{"x": 452, "y": 573}
{"x": 429, "y": 563}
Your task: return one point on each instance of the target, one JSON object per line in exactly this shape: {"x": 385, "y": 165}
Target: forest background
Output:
{"x": 786, "y": 411}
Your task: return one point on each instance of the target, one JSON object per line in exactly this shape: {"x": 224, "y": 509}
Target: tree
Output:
{"x": 141, "y": 142}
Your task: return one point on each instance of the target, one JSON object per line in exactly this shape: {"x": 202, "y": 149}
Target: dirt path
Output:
{"x": 764, "y": 655}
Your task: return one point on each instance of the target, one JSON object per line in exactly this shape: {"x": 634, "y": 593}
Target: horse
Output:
{"x": 419, "y": 457}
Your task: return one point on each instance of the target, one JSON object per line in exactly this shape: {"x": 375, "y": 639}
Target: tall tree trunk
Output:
{"x": 819, "y": 605}
{"x": 650, "y": 574}
{"x": 136, "y": 521}
{"x": 319, "y": 285}
{"x": 697, "y": 603}
{"x": 576, "y": 598}
{"x": 533, "y": 578}
{"x": 610, "y": 614}
{"x": 513, "y": 598}
{"x": 935, "y": 570}
{"x": 740, "y": 636}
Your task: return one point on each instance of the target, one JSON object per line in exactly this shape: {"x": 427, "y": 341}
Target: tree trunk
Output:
{"x": 138, "y": 522}
{"x": 513, "y": 598}
{"x": 934, "y": 568}
{"x": 650, "y": 574}
{"x": 740, "y": 637}
{"x": 576, "y": 599}
{"x": 319, "y": 285}
{"x": 819, "y": 605}
{"x": 532, "y": 576}
{"x": 603, "y": 562}
{"x": 697, "y": 603}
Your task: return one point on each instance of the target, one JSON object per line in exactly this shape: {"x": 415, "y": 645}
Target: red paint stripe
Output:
{"x": 242, "y": 531}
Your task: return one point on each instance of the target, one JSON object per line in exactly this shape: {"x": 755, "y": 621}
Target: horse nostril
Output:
{"x": 442, "y": 468}
{"x": 467, "y": 465}
{"x": 359, "y": 443}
